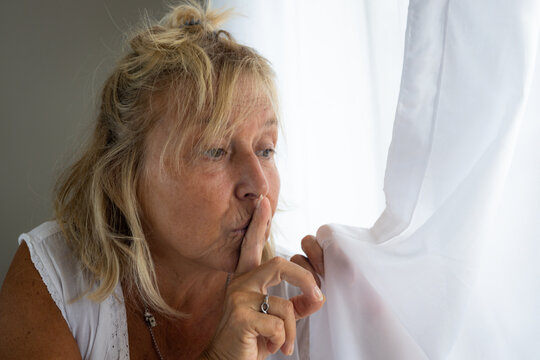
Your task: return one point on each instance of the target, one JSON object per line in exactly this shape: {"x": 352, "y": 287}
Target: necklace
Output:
{"x": 151, "y": 322}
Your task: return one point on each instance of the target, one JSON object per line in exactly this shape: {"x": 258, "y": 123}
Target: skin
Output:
{"x": 211, "y": 219}
{"x": 214, "y": 218}
{"x": 32, "y": 325}
{"x": 199, "y": 217}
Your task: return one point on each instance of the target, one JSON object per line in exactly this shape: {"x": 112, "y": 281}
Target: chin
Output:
{"x": 228, "y": 263}
{"x": 227, "y": 260}
{"x": 225, "y": 256}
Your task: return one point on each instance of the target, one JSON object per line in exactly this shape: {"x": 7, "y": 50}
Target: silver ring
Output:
{"x": 265, "y": 306}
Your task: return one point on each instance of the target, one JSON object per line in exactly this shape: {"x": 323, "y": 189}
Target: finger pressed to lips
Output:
{"x": 251, "y": 281}
{"x": 255, "y": 237}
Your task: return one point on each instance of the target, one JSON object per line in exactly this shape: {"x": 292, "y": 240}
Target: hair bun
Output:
{"x": 191, "y": 13}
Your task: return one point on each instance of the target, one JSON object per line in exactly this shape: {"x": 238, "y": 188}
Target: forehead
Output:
{"x": 183, "y": 129}
{"x": 246, "y": 113}
{"x": 251, "y": 105}
{"x": 249, "y": 94}
{"x": 259, "y": 110}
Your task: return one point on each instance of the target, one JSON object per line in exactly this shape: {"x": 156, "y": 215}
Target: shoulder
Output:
{"x": 32, "y": 323}
{"x": 45, "y": 286}
{"x": 50, "y": 256}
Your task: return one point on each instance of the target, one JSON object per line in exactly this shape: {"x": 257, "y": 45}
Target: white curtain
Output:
{"x": 450, "y": 270}
{"x": 338, "y": 65}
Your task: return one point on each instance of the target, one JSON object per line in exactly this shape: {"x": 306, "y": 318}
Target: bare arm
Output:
{"x": 32, "y": 325}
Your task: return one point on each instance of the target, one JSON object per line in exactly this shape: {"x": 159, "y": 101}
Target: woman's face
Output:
{"x": 201, "y": 214}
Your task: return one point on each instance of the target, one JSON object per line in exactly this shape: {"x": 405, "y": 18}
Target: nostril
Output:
{"x": 252, "y": 196}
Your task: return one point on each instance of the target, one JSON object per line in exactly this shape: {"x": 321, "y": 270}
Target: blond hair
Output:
{"x": 182, "y": 67}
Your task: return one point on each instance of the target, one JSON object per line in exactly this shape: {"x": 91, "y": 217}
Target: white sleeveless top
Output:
{"x": 100, "y": 329}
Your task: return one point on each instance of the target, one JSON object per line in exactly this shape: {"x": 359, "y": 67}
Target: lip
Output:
{"x": 243, "y": 228}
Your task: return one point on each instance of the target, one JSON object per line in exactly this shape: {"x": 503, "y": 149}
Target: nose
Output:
{"x": 252, "y": 180}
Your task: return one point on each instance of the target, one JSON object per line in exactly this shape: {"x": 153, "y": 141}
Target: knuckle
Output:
{"x": 238, "y": 318}
{"x": 236, "y": 299}
{"x": 308, "y": 275}
{"x": 277, "y": 261}
{"x": 279, "y": 327}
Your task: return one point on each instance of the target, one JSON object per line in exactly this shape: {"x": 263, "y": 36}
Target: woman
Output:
{"x": 159, "y": 248}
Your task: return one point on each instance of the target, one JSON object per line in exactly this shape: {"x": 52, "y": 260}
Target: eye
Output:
{"x": 267, "y": 153}
{"x": 215, "y": 154}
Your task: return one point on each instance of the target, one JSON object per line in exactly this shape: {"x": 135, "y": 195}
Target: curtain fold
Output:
{"x": 415, "y": 285}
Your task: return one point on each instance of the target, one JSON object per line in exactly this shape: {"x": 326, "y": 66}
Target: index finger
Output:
{"x": 255, "y": 238}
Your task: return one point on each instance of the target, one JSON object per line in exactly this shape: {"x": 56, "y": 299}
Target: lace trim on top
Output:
{"x": 114, "y": 305}
{"x": 36, "y": 260}
{"x": 120, "y": 335}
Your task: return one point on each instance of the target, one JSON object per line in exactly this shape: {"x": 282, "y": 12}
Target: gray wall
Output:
{"x": 55, "y": 55}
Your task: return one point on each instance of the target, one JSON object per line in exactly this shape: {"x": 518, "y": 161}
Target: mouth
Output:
{"x": 241, "y": 230}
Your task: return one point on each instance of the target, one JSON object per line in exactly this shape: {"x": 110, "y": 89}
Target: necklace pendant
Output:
{"x": 149, "y": 319}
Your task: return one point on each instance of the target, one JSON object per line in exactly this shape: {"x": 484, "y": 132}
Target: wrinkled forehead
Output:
{"x": 249, "y": 99}
{"x": 249, "y": 107}
{"x": 187, "y": 128}
{"x": 228, "y": 104}
{"x": 249, "y": 94}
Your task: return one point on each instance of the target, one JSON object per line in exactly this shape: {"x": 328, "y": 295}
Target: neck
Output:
{"x": 189, "y": 286}
{"x": 194, "y": 290}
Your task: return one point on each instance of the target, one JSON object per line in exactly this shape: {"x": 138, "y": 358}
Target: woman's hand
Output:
{"x": 245, "y": 332}
{"x": 314, "y": 261}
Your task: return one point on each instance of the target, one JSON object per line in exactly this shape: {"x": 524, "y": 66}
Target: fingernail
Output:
{"x": 291, "y": 349}
{"x": 259, "y": 201}
{"x": 318, "y": 293}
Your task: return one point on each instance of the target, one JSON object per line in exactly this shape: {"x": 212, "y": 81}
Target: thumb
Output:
{"x": 255, "y": 237}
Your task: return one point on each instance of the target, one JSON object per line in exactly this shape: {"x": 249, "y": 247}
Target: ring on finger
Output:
{"x": 265, "y": 306}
